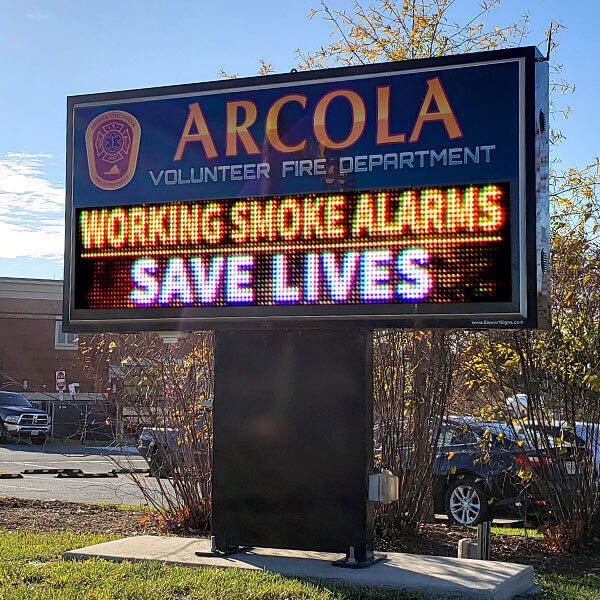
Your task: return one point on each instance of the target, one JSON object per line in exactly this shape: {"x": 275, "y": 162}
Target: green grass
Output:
{"x": 31, "y": 569}
{"x": 516, "y": 531}
{"x": 519, "y": 531}
{"x": 558, "y": 587}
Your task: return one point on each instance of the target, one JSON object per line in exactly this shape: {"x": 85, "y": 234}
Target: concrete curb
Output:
{"x": 40, "y": 472}
{"x": 82, "y": 475}
{"x": 132, "y": 471}
{"x": 72, "y": 473}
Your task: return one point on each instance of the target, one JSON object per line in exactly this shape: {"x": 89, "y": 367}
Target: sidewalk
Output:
{"x": 485, "y": 580}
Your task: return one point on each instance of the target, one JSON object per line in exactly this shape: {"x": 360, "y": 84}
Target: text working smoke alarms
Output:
{"x": 415, "y": 245}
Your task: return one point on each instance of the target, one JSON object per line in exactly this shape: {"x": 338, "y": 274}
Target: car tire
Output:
{"x": 157, "y": 465}
{"x": 466, "y": 503}
{"x": 37, "y": 440}
{"x": 3, "y": 436}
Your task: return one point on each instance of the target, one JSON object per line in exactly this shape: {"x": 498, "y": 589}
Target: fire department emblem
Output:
{"x": 112, "y": 141}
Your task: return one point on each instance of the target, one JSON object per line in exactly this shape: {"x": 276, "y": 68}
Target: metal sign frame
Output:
{"x": 529, "y": 307}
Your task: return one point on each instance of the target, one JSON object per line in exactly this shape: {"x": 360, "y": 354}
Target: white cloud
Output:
{"x": 31, "y": 208}
{"x": 47, "y": 242}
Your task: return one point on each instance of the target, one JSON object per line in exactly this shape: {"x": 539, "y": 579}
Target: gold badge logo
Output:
{"x": 112, "y": 141}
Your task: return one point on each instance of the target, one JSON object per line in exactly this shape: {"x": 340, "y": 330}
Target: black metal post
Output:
{"x": 293, "y": 441}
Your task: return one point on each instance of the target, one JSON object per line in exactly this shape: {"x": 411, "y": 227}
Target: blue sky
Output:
{"x": 54, "y": 48}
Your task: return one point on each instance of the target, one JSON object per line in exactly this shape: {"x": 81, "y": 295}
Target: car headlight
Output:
{"x": 12, "y": 419}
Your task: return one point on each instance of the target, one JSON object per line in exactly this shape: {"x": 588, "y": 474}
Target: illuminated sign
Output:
{"x": 385, "y": 195}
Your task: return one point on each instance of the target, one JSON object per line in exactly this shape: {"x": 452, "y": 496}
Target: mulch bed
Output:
{"x": 47, "y": 516}
{"x": 441, "y": 539}
{"x": 436, "y": 539}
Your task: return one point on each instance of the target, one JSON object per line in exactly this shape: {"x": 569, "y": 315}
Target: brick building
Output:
{"x": 33, "y": 348}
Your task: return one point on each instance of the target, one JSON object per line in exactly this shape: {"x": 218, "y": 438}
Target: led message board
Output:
{"x": 387, "y": 195}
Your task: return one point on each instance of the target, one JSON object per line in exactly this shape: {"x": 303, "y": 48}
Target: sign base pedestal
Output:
{"x": 293, "y": 441}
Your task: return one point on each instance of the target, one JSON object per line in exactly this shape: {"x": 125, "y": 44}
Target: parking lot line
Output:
{"x": 21, "y": 488}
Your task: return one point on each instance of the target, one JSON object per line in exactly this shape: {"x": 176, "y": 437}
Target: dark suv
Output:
{"x": 478, "y": 471}
{"x": 18, "y": 419}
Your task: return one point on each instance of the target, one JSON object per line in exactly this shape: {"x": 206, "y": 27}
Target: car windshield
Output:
{"x": 13, "y": 399}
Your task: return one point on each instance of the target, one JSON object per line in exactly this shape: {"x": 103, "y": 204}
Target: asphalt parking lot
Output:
{"x": 18, "y": 458}
{"x": 15, "y": 458}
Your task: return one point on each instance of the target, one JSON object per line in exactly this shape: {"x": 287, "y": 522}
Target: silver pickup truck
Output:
{"x": 18, "y": 419}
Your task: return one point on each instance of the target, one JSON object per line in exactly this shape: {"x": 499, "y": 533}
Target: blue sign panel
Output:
{"x": 378, "y": 195}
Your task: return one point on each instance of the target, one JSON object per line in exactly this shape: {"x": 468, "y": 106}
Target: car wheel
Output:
{"x": 38, "y": 440}
{"x": 467, "y": 503}
{"x": 3, "y": 437}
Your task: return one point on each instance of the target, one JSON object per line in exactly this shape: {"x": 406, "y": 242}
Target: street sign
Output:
{"x": 61, "y": 381}
{"x": 391, "y": 195}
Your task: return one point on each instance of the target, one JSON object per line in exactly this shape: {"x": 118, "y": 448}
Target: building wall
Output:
{"x": 29, "y": 310}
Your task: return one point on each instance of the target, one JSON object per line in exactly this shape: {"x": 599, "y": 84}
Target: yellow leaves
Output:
{"x": 592, "y": 381}
{"x": 390, "y": 31}
{"x": 524, "y": 475}
{"x": 568, "y": 299}
{"x": 225, "y": 75}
